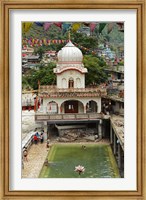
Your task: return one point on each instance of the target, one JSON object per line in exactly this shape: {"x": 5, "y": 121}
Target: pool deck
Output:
{"x": 36, "y": 157}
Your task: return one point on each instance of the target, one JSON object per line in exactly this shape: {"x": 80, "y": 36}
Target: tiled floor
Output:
{"x": 36, "y": 157}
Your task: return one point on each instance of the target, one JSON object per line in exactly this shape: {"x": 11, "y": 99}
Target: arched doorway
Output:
{"x": 91, "y": 107}
{"x": 52, "y": 107}
{"x": 72, "y": 106}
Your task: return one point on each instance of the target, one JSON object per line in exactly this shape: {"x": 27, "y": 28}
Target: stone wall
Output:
{"x": 69, "y": 135}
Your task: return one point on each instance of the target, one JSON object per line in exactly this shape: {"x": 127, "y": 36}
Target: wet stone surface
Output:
{"x": 36, "y": 157}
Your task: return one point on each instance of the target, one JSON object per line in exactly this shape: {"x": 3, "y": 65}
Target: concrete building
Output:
{"x": 69, "y": 106}
{"x": 70, "y": 94}
{"x": 30, "y": 62}
{"x": 69, "y": 101}
{"x": 84, "y": 30}
{"x": 27, "y": 51}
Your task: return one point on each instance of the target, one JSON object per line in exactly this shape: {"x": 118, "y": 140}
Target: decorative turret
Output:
{"x": 70, "y": 70}
{"x": 70, "y": 53}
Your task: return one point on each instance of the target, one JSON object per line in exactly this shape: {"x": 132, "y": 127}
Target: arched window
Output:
{"x": 71, "y": 83}
{"x": 92, "y": 107}
{"x": 64, "y": 85}
{"x": 52, "y": 107}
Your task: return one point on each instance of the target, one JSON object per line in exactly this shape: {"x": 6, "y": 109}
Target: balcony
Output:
{"x": 39, "y": 117}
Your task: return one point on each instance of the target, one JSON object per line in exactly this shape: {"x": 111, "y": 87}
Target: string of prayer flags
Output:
{"x": 66, "y": 26}
{"x": 38, "y": 42}
{"x": 84, "y": 48}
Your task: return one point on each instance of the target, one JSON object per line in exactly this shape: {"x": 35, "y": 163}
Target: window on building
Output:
{"x": 71, "y": 83}
{"x": 123, "y": 105}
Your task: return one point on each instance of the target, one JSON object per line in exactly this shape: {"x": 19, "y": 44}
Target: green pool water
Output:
{"x": 97, "y": 159}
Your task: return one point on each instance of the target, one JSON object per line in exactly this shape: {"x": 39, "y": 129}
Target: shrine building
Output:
{"x": 70, "y": 104}
{"x": 70, "y": 94}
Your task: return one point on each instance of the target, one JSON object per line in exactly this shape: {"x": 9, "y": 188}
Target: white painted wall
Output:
{"x": 83, "y": 100}
{"x": 80, "y": 107}
{"x": 63, "y": 79}
{"x": 28, "y": 99}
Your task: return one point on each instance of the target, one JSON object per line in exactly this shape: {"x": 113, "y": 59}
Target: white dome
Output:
{"x": 70, "y": 53}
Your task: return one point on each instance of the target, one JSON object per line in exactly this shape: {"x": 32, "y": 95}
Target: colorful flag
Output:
{"x": 59, "y": 24}
{"x": 92, "y": 26}
{"x": 66, "y": 27}
{"x": 76, "y": 26}
{"x": 47, "y": 25}
{"x": 39, "y": 23}
{"x": 44, "y": 41}
{"x": 26, "y": 26}
{"x": 101, "y": 27}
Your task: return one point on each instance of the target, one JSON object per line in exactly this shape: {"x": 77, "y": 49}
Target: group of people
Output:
{"x": 38, "y": 137}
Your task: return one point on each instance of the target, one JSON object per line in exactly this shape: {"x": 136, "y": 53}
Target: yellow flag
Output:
{"x": 44, "y": 40}
{"x": 26, "y": 26}
{"x": 76, "y": 26}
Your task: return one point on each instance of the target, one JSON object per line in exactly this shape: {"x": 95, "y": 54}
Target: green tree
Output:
{"x": 40, "y": 51}
{"x": 89, "y": 42}
{"x": 44, "y": 74}
{"x": 96, "y": 73}
{"x": 25, "y": 84}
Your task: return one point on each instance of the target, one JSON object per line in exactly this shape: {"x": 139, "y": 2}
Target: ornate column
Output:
{"x": 44, "y": 109}
{"x": 99, "y": 105}
{"x": 59, "y": 109}
{"x": 85, "y": 108}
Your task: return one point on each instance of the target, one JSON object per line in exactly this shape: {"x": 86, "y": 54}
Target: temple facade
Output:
{"x": 70, "y": 94}
{"x": 71, "y": 105}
